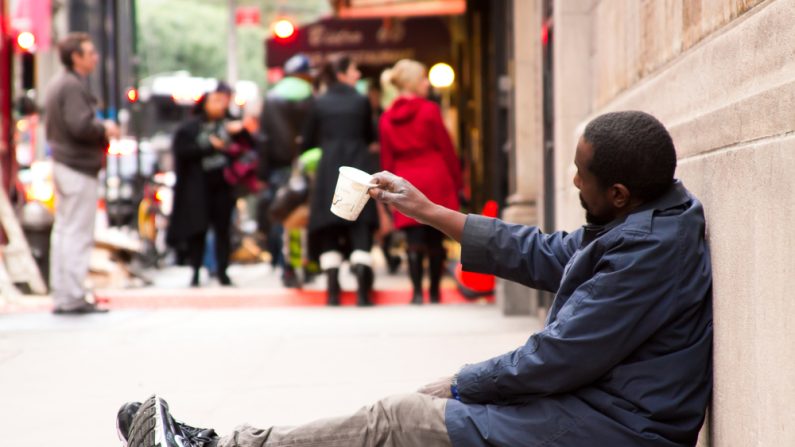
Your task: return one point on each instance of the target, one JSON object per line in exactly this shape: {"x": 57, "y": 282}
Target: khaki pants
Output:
{"x": 411, "y": 420}
{"x": 72, "y": 235}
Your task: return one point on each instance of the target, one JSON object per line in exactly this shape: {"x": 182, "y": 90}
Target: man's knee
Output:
{"x": 402, "y": 406}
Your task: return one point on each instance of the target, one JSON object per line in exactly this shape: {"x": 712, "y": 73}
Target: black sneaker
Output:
{"x": 153, "y": 426}
{"x": 290, "y": 278}
{"x": 124, "y": 420}
{"x": 84, "y": 308}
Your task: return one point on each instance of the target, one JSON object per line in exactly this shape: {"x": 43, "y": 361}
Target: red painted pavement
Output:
{"x": 222, "y": 298}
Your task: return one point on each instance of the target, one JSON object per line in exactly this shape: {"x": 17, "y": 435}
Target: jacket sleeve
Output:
{"x": 185, "y": 145}
{"x": 444, "y": 144}
{"x": 603, "y": 321}
{"x": 387, "y": 149}
{"x": 369, "y": 128}
{"x": 78, "y": 115}
{"x": 516, "y": 252}
{"x": 309, "y": 135}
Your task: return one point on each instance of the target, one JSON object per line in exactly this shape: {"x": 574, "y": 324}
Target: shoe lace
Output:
{"x": 199, "y": 437}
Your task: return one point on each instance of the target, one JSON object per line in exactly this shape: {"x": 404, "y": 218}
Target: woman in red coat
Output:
{"x": 415, "y": 145}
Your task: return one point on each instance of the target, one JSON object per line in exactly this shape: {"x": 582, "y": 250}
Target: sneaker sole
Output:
{"x": 148, "y": 425}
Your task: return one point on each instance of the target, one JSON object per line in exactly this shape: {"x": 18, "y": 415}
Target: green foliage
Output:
{"x": 192, "y": 35}
{"x": 182, "y": 35}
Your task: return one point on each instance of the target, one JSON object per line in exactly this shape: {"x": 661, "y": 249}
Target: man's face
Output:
{"x": 86, "y": 60}
{"x": 593, "y": 197}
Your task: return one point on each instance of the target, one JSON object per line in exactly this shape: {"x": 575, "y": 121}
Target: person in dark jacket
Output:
{"x": 341, "y": 125}
{"x": 415, "y": 145}
{"x": 284, "y": 113}
{"x": 625, "y": 356}
{"x": 203, "y": 199}
{"x": 78, "y": 141}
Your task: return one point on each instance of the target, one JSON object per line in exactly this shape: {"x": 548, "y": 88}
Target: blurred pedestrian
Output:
{"x": 341, "y": 125}
{"x": 78, "y": 141}
{"x": 203, "y": 198}
{"x": 416, "y": 146}
{"x": 283, "y": 116}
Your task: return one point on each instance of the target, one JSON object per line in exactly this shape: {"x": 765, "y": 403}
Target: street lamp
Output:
{"x": 26, "y": 41}
{"x": 283, "y": 29}
{"x": 441, "y": 75}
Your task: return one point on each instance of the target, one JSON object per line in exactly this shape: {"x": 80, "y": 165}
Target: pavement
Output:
{"x": 274, "y": 357}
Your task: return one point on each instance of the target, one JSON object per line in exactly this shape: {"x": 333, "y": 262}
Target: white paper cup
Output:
{"x": 351, "y": 196}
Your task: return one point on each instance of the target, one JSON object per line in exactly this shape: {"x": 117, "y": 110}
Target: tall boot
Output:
{"x": 392, "y": 261}
{"x": 435, "y": 269}
{"x": 333, "y": 289}
{"x": 365, "y": 278}
{"x": 194, "y": 281}
{"x": 415, "y": 273}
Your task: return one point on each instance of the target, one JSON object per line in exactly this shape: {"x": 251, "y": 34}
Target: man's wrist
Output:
{"x": 447, "y": 221}
{"x": 454, "y": 388}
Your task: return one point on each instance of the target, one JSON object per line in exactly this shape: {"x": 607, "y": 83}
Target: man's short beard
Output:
{"x": 590, "y": 217}
{"x": 594, "y": 220}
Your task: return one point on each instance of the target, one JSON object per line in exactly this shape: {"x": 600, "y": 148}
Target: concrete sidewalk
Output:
{"x": 256, "y": 285}
{"x": 63, "y": 378}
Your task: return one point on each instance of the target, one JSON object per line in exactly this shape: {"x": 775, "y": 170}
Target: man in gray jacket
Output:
{"x": 78, "y": 140}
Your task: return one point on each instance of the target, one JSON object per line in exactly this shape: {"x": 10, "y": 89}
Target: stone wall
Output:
{"x": 721, "y": 75}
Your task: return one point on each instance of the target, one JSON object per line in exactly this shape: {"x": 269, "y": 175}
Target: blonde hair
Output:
{"x": 388, "y": 90}
{"x": 407, "y": 74}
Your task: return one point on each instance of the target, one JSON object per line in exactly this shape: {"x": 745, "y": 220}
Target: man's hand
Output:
{"x": 111, "y": 130}
{"x": 440, "y": 388}
{"x": 400, "y": 194}
{"x": 410, "y": 201}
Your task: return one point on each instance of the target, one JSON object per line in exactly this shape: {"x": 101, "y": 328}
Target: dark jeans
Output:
{"x": 273, "y": 230}
{"x": 220, "y": 204}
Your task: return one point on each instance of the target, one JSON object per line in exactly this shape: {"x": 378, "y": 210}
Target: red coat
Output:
{"x": 415, "y": 145}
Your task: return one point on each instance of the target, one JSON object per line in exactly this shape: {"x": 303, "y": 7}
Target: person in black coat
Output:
{"x": 203, "y": 199}
{"x": 340, "y": 123}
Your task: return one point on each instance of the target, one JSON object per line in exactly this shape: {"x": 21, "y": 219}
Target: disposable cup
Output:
{"x": 351, "y": 196}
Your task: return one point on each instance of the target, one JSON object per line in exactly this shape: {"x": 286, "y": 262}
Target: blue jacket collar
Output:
{"x": 677, "y": 195}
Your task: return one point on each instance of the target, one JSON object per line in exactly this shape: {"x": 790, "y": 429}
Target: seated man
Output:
{"x": 624, "y": 358}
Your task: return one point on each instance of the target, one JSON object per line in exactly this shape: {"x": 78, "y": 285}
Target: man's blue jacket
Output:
{"x": 625, "y": 356}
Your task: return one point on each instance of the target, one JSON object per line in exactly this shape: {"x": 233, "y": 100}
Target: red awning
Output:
{"x": 399, "y": 8}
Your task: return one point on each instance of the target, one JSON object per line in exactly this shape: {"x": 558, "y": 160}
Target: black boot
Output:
{"x": 392, "y": 261}
{"x": 333, "y": 287}
{"x": 365, "y": 278}
{"x": 415, "y": 273}
{"x": 194, "y": 281}
{"x": 435, "y": 269}
{"x": 290, "y": 278}
{"x": 224, "y": 279}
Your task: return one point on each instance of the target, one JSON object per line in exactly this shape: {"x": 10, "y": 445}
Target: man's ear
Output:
{"x": 619, "y": 195}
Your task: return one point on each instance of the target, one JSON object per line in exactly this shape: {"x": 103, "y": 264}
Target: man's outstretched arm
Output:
{"x": 407, "y": 199}
{"x": 514, "y": 252}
